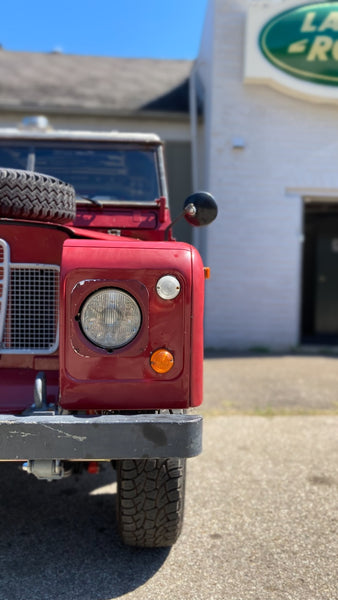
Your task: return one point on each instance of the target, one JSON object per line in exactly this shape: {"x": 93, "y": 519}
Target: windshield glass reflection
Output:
{"x": 103, "y": 173}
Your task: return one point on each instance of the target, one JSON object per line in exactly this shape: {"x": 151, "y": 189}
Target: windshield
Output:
{"x": 105, "y": 172}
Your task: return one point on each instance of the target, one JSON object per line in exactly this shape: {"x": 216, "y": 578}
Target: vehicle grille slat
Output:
{"x": 31, "y": 309}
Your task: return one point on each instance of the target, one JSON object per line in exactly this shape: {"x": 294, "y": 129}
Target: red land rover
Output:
{"x": 101, "y": 320}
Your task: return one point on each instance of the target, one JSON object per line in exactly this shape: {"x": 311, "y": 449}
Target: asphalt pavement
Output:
{"x": 253, "y": 384}
{"x": 261, "y": 519}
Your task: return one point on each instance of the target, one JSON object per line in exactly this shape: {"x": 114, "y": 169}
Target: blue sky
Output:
{"x": 129, "y": 28}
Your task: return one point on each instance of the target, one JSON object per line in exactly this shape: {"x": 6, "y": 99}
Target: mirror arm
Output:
{"x": 190, "y": 209}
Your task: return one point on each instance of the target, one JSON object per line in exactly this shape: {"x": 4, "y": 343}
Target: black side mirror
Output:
{"x": 200, "y": 209}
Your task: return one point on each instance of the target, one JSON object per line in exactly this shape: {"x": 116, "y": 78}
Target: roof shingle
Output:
{"x": 89, "y": 84}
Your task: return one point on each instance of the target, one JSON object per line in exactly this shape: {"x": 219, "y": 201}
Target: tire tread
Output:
{"x": 29, "y": 195}
{"x": 150, "y": 501}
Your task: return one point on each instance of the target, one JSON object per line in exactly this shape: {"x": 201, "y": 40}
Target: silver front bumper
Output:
{"x": 44, "y": 437}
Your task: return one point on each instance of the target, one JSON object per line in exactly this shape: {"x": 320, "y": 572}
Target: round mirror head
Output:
{"x": 200, "y": 209}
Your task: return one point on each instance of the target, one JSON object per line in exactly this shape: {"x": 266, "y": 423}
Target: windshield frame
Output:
{"x": 93, "y": 144}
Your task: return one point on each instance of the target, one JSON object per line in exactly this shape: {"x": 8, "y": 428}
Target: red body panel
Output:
{"x": 32, "y": 242}
{"x": 29, "y": 243}
{"x": 17, "y": 388}
{"x": 197, "y": 332}
{"x": 92, "y": 378}
{"x": 145, "y": 223}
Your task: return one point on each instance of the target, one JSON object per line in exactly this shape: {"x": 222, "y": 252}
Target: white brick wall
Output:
{"x": 254, "y": 248}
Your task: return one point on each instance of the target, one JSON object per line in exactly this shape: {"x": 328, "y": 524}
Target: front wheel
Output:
{"x": 150, "y": 501}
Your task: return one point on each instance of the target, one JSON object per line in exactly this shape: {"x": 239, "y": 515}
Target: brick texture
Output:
{"x": 254, "y": 248}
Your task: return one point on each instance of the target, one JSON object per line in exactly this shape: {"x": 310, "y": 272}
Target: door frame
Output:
{"x": 317, "y": 212}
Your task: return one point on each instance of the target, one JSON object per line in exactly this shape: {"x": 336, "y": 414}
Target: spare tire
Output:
{"x": 29, "y": 195}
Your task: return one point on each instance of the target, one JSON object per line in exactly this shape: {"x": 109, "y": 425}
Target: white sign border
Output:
{"x": 258, "y": 70}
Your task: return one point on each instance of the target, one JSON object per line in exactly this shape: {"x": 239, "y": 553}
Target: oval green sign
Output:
{"x": 303, "y": 42}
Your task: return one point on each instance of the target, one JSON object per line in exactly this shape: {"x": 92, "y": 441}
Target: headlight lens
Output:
{"x": 110, "y": 318}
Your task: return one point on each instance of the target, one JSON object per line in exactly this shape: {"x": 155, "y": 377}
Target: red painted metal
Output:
{"x": 32, "y": 242}
{"x": 17, "y": 388}
{"x": 144, "y": 222}
{"x": 197, "y": 338}
{"x": 92, "y": 255}
{"x": 94, "y": 378}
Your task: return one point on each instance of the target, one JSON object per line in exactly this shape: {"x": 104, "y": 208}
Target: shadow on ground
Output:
{"x": 59, "y": 540}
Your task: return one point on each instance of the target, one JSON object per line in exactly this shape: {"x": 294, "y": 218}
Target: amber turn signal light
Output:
{"x": 161, "y": 361}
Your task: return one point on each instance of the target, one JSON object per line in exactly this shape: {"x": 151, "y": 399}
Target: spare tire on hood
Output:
{"x": 34, "y": 196}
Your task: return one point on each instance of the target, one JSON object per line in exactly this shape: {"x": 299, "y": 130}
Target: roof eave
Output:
{"x": 46, "y": 109}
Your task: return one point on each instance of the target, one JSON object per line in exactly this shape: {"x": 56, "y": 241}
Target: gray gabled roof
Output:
{"x": 54, "y": 83}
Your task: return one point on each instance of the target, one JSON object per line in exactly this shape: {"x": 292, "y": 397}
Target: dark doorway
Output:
{"x": 320, "y": 273}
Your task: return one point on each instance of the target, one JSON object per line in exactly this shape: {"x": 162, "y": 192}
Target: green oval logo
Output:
{"x": 303, "y": 42}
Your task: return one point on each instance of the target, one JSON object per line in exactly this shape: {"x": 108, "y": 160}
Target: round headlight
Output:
{"x": 110, "y": 318}
{"x": 168, "y": 287}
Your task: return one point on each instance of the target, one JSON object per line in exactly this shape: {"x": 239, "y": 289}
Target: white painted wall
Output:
{"x": 254, "y": 247}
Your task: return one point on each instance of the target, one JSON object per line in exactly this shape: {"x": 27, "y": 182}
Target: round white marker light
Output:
{"x": 168, "y": 287}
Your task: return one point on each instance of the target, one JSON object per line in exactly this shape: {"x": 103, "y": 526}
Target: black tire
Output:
{"x": 150, "y": 501}
{"x": 29, "y": 195}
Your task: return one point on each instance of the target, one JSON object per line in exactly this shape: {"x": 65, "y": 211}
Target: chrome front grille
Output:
{"x": 29, "y": 307}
